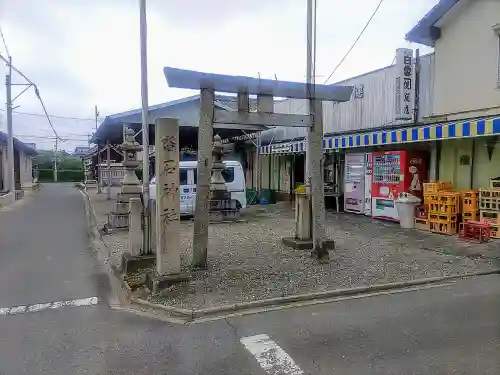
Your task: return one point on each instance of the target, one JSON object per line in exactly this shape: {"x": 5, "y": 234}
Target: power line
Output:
{"x": 356, "y": 41}
{"x": 37, "y": 93}
{"x": 45, "y": 111}
{"x": 4, "y": 42}
{"x": 50, "y": 138}
{"x": 51, "y": 116}
{"x": 16, "y": 70}
{"x": 349, "y": 51}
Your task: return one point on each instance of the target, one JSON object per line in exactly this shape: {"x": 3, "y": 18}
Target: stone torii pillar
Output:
{"x": 201, "y": 216}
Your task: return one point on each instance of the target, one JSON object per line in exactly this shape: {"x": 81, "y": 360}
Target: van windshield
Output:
{"x": 183, "y": 177}
{"x": 227, "y": 173}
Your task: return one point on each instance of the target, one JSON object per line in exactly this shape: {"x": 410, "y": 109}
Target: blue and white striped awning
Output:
{"x": 423, "y": 133}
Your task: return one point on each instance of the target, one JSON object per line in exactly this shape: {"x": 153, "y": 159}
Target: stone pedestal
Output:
{"x": 303, "y": 222}
{"x": 130, "y": 186}
{"x": 135, "y": 227}
{"x": 222, "y": 207}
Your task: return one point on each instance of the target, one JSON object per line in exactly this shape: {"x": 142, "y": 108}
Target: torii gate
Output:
{"x": 265, "y": 90}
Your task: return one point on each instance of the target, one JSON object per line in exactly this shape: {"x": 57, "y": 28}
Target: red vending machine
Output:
{"x": 396, "y": 172}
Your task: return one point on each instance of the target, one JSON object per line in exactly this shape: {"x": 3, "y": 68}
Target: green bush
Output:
{"x": 47, "y": 175}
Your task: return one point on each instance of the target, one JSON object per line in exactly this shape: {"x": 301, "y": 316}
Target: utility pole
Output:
{"x": 314, "y": 154}
{"x": 145, "y": 125}
{"x": 10, "y": 135}
{"x": 55, "y": 161}
{"x": 96, "y": 115}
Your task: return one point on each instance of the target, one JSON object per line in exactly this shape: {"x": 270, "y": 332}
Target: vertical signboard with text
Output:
{"x": 405, "y": 85}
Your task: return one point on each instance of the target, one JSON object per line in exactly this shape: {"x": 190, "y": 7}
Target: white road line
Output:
{"x": 50, "y": 305}
{"x": 271, "y": 357}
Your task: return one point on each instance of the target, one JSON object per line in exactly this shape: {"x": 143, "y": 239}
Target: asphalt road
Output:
{"x": 453, "y": 329}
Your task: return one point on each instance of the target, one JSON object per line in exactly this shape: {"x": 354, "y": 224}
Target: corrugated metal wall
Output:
{"x": 375, "y": 109}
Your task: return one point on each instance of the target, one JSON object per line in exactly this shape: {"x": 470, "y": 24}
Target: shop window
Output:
{"x": 496, "y": 29}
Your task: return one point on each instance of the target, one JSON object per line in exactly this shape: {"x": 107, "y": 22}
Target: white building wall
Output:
{"x": 26, "y": 171}
{"x": 467, "y": 61}
{"x": 375, "y": 109}
{"x": 25, "y": 165}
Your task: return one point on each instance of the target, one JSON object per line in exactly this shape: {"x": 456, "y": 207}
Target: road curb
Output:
{"x": 312, "y": 298}
{"x": 120, "y": 291}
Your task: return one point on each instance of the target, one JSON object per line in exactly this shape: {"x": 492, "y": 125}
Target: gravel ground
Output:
{"x": 247, "y": 260}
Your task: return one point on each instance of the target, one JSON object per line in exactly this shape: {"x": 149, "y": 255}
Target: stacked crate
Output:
{"x": 431, "y": 196}
{"x": 470, "y": 208}
{"x": 489, "y": 208}
{"x": 422, "y": 217}
{"x": 444, "y": 210}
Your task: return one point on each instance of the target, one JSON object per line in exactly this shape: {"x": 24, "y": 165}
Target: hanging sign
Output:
{"x": 283, "y": 147}
{"x": 405, "y": 85}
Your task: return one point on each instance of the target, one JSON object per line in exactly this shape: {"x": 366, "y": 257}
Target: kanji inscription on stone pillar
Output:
{"x": 167, "y": 196}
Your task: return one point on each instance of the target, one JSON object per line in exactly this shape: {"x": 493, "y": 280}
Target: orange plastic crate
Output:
{"x": 448, "y": 209}
{"x": 469, "y": 194}
{"x": 431, "y": 198}
{"x": 469, "y": 204}
{"x": 442, "y": 218}
{"x": 422, "y": 211}
{"x": 422, "y": 224}
{"x": 470, "y": 215}
{"x": 435, "y": 186}
{"x": 490, "y": 217}
{"x": 449, "y": 198}
{"x": 444, "y": 228}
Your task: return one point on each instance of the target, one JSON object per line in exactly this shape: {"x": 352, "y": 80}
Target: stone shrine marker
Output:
{"x": 168, "y": 260}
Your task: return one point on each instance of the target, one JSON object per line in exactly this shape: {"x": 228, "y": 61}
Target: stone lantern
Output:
{"x": 130, "y": 185}
{"x": 222, "y": 207}
{"x": 130, "y": 148}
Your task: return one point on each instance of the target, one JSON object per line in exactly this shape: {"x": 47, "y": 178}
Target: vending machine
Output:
{"x": 396, "y": 172}
{"x": 368, "y": 183}
{"x": 354, "y": 183}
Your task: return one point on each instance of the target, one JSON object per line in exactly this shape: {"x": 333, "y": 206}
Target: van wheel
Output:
{"x": 238, "y": 205}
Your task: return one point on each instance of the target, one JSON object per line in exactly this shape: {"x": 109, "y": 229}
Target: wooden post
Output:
{"x": 201, "y": 218}
{"x": 168, "y": 260}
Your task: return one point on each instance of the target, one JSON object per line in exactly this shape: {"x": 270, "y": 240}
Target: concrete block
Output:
{"x": 135, "y": 227}
{"x": 118, "y": 221}
{"x": 131, "y": 264}
{"x": 305, "y": 244}
{"x": 157, "y": 283}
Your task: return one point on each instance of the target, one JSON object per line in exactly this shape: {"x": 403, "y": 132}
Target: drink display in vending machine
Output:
{"x": 396, "y": 172}
{"x": 368, "y": 183}
{"x": 354, "y": 183}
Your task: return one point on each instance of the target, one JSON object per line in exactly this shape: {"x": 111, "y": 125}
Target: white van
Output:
{"x": 233, "y": 174}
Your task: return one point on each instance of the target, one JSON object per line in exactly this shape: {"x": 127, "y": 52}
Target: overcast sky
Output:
{"x": 82, "y": 53}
